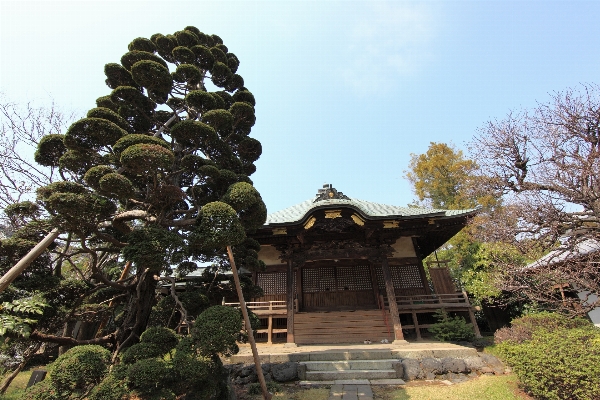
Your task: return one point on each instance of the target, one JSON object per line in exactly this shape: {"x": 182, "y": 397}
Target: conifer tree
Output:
{"x": 158, "y": 173}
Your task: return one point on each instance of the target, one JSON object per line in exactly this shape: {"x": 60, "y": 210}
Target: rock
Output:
{"x": 412, "y": 369}
{"x": 246, "y": 371}
{"x": 431, "y": 365}
{"x": 492, "y": 362}
{"x": 456, "y": 365}
{"x": 474, "y": 363}
{"x": 397, "y": 366}
{"x": 429, "y": 376}
{"x": 302, "y": 372}
{"x": 266, "y": 368}
{"x": 285, "y": 372}
{"x": 487, "y": 371}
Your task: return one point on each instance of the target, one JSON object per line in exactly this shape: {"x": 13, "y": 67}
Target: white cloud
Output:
{"x": 391, "y": 41}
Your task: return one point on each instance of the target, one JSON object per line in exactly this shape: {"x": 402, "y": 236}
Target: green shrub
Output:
{"x": 272, "y": 387}
{"x": 557, "y": 363}
{"x": 149, "y": 375}
{"x": 216, "y": 331}
{"x": 451, "y": 329}
{"x": 79, "y": 369}
{"x": 166, "y": 339}
{"x": 42, "y": 391}
{"x": 111, "y": 388}
{"x": 522, "y": 328}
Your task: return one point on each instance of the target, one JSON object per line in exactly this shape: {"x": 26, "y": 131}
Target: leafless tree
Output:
{"x": 545, "y": 163}
{"x": 21, "y": 128}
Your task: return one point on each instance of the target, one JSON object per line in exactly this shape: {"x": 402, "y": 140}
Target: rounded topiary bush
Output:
{"x": 79, "y": 368}
{"x": 522, "y": 328}
{"x": 216, "y": 331}
{"x": 149, "y": 375}
{"x": 164, "y": 338}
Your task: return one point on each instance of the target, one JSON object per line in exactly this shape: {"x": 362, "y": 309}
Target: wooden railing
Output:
{"x": 430, "y": 303}
{"x": 266, "y": 309}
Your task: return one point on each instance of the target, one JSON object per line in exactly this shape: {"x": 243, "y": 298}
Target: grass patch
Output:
{"x": 17, "y": 386}
{"x": 294, "y": 392}
{"x": 483, "y": 388}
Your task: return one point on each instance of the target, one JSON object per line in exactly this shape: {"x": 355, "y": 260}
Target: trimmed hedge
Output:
{"x": 556, "y": 362}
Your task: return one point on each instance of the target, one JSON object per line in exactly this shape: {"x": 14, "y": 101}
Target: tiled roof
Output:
{"x": 369, "y": 210}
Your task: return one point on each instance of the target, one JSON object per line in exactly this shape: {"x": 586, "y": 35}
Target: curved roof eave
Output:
{"x": 368, "y": 210}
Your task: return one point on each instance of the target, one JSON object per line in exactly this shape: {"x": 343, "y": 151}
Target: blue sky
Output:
{"x": 346, "y": 90}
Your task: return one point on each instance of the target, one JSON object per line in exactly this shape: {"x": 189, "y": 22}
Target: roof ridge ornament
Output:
{"x": 329, "y": 193}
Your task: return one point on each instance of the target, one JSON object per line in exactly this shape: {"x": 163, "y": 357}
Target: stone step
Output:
{"x": 349, "y": 365}
{"x": 351, "y": 374}
{"x": 351, "y": 355}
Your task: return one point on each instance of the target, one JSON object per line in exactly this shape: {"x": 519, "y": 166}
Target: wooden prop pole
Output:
{"x": 19, "y": 267}
{"x": 238, "y": 287}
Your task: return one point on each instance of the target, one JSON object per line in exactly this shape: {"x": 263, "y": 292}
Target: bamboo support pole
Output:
{"x": 19, "y": 267}
{"x": 238, "y": 287}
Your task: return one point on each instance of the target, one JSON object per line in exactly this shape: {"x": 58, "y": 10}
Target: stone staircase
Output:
{"x": 350, "y": 365}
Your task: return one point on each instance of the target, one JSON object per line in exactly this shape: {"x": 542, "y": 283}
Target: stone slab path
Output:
{"x": 351, "y": 392}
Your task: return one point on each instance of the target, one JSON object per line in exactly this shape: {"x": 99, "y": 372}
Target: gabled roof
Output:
{"x": 328, "y": 198}
{"x": 564, "y": 253}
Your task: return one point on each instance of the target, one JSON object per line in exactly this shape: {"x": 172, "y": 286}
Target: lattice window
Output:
{"x": 403, "y": 277}
{"x": 354, "y": 277}
{"x": 318, "y": 279}
{"x": 406, "y": 276}
{"x": 272, "y": 283}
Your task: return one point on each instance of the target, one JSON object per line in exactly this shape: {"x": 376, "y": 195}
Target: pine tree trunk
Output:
{"x": 137, "y": 312}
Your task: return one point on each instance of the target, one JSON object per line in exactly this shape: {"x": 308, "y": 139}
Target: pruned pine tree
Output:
{"x": 158, "y": 173}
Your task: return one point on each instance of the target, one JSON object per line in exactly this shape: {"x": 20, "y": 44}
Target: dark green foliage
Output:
{"x": 451, "y": 329}
{"x": 184, "y": 55}
{"x": 152, "y": 75}
{"x": 79, "y": 161}
{"x": 79, "y": 369}
{"x": 220, "y": 120}
{"x": 111, "y": 388}
{"x": 234, "y": 83}
{"x": 106, "y": 102}
{"x": 249, "y": 149}
{"x": 243, "y": 114}
{"x": 93, "y": 134}
{"x": 149, "y": 375}
{"x": 130, "y": 140}
{"x": 194, "y": 132}
{"x": 522, "y": 328}
{"x": 201, "y": 100}
{"x": 142, "y": 44}
{"x": 244, "y": 96}
{"x": 219, "y": 226}
{"x": 116, "y": 184}
{"x": 272, "y": 387}
{"x": 557, "y": 363}
{"x": 188, "y": 73}
{"x": 216, "y": 331}
{"x": 49, "y": 150}
{"x": 186, "y": 38}
{"x": 130, "y": 59}
{"x": 146, "y": 157}
{"x": 204, "y": 56}
{"x": 24, "y": 209}
{"x": 141, "y": 351}
{"x": 219, "y": 55}
{"x": 110, "y": 115}
{"x": 131, "y": 98}
{"x": 151, "y": 247}
{"x": 233, "y": 62}
{"x": 93, "y": 175}
{"x": 163, "y": 338}
{"x": 220, "y": 72}
{"x": 117, "y": 75}
{"x": 42, "y": 391}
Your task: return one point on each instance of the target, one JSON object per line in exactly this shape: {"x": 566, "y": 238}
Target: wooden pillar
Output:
{"x": 290, "y": 303}
{"x": 391, "y": 294}
{"x": 299, "y": 287}
{"x": 374, "y": 283}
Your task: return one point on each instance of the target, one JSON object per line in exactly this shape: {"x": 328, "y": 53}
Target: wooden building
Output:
{"x": 343, "y": 270}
